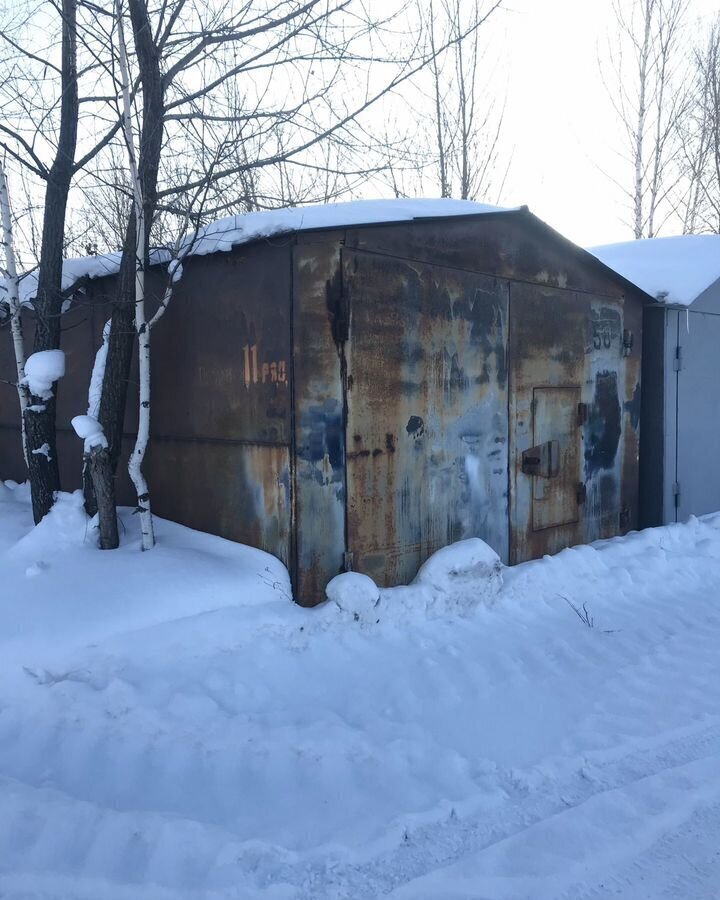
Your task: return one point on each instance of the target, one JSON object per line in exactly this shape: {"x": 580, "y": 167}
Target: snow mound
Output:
{"x": 64, "y": 527}
{"x": 85, "y": 426}
{"x": 462, "y": 575}
{"x": 12, "y": 491}
{"x": 165, "y": 715}
{"x": 42, "y": 369}
{"x": 355, "y": 594}
{"x": 74, "y": 594}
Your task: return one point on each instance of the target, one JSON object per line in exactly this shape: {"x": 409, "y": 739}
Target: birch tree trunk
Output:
{"x": 639, "y": 157}
{"x": 141, "y": 324}
{"x": 13, "y": 298}
{"x": 117, "y": 369}
{"x": 137, "y": 456}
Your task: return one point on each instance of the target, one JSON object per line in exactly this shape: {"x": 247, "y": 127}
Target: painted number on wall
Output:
{"x": 606, "y": 329}
{"x": 273, "y": 372}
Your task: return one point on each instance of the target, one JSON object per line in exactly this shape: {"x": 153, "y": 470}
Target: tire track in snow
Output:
{"x": 438, "y": 845}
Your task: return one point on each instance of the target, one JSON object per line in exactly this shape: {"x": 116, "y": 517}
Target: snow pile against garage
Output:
{"x": 173, "y": 727}
{"x": 224, "y": 234}
{"x": 674, "y": 270}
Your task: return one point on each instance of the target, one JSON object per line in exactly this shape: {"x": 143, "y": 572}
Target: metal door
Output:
{"x": 697, "y": 485}
{"x": 574, "y": 413}
{"x": 426, "y": 406}
{"x": 556, "y": 427}
{"x": 548, "y": 352}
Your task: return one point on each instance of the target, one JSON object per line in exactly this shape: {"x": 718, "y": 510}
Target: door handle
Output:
{"x": 543, "y": 461}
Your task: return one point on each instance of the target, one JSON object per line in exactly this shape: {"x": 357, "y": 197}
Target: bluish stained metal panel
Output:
{"x": 319, "y": 457}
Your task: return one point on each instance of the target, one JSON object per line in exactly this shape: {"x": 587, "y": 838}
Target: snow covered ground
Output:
{"x": 171, "y": 726}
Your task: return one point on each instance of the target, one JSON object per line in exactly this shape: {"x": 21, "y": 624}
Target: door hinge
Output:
{"x": 348, "y": 561}
{"x": 582, "y": 414}
{"x": 581, "y": 493}
{"x": 676, "y": 493}
{"x": 677, "y": 362}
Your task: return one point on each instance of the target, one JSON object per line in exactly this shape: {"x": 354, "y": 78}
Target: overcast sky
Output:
{"x": 560, "y": 120}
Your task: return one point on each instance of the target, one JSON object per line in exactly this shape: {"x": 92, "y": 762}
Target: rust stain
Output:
{"x": 427, "y": 353}
{"x": 573, "y": 344}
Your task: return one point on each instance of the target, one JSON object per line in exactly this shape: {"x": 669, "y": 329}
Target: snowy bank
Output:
{"x": 172, "y": 727}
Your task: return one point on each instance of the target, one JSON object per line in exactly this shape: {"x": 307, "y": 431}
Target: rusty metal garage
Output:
{"x": 355, "y": 396}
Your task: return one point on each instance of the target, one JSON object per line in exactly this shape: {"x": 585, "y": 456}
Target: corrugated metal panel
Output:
{"x": 427, "y": 412}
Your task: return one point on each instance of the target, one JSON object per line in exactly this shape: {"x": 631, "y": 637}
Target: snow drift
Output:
{"x": 172, "y": 727}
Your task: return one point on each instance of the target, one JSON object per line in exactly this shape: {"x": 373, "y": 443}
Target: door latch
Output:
{"x": 542, "y": 461}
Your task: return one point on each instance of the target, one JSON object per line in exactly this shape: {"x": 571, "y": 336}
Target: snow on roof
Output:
{"x": 674, "y": 270}
{"x": 75, "y": 270}
{"x": 227, "y": 233}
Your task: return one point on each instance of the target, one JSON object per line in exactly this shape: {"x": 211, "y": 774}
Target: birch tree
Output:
{"x": 41, "y": 100}
{"x": 466, "y": 118}
{"x": 142, "y": 326}
{"x": 700, "y": 133}
{"x": 647, "y": 93}
{"x": 12, "y": 298}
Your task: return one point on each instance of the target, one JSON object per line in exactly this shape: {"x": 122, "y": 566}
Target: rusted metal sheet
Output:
{"x": 319, "y": 341}
{"x": 237, "y": 491}
{"x": 361, "y": 398}
{"x": 221, "y": 355}
{"x": 427, "y": 412}
{"x": 555, "y": 491}
{"x": 513, "y": 245}
{"x": 574, "y": 379}
{"x": 219, "y": 457}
